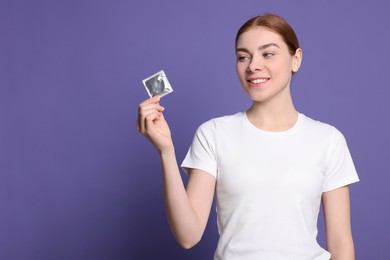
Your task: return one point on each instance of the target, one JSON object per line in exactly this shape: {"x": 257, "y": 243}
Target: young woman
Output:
{"x": 269, "y": 167}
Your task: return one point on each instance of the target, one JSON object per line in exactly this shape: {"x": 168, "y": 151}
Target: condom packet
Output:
{"x": 157, "y": 84}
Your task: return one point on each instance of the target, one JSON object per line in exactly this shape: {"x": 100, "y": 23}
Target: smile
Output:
{"x": 258, "y": 81}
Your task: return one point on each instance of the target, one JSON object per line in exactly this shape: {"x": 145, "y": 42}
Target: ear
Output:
{"x": 297, "y": 60}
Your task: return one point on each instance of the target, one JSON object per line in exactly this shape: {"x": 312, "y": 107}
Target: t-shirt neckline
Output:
{"x": 287, "y": 131}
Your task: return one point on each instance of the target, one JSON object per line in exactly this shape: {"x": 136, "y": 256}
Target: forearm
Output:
{"x": 183, "y": 220}
{"x": 338, "y": 224}
{"x": 342, "y": 252}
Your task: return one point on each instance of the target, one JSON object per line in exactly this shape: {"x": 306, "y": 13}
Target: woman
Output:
{"x": 269, "y": 166}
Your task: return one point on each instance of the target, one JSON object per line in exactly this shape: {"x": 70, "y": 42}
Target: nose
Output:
{"x": 256, "y": 64}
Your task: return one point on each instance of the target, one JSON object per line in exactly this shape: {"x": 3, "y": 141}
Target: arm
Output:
{"x": 187, "y": 209}
{"x": 336, "y": 205}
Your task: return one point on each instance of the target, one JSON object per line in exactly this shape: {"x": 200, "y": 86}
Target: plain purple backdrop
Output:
{"x": 76, "y": 179}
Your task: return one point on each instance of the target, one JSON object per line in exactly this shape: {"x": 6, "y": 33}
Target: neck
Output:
{"x": 273, "y": 116}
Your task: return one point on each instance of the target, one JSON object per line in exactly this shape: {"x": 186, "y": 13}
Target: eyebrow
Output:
{"x": 262, "y": 47}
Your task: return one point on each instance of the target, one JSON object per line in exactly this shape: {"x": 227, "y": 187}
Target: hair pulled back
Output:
{"x": 276, "y": 24}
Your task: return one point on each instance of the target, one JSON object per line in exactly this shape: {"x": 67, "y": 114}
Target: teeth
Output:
{"x": 257, "y": 81}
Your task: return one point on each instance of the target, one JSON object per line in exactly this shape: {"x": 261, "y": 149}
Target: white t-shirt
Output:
{"x": 269, "y": 184}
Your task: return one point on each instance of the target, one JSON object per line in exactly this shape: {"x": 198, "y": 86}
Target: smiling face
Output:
{"x": 264, "y": 64}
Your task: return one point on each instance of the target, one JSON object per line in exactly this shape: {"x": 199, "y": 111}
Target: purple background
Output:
{"x": 76, "y": 179}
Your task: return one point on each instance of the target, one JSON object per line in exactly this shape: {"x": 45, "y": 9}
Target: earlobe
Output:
{"x": 297, "y": 60}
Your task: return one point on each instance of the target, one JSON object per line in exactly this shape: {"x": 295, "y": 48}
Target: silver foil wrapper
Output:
{"x": 157, "y": 84}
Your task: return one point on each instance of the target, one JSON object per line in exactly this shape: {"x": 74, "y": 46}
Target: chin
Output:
{"x": 256, "y": 98}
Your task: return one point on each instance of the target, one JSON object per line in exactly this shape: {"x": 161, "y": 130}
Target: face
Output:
{"x": 264, "y": 64}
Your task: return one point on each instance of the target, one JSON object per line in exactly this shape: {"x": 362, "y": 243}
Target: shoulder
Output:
{"x": 210, "y": 132}
{"x": 320, "y": 128}
{"x": 327, "y": 134}
{"x": 222, "y": 122}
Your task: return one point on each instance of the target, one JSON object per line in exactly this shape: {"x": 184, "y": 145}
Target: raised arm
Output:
{"x": 187, "y": 209}
{"x": 336, "y": 205}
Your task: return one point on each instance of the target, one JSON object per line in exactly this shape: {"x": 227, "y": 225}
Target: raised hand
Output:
{"x": 151, "y": 123}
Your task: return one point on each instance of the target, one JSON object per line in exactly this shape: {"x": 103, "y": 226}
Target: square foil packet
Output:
{"x": 157, "y": 84}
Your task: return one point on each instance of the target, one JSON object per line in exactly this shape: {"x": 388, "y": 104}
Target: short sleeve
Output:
{"x": 340, "y": 169}
{"x": 202, "y": 153}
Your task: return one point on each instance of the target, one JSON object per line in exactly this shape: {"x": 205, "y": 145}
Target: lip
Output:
{"x": 262, "y": 81}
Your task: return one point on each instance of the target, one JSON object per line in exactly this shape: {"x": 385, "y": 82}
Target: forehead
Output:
{"x": 258, "y": 36}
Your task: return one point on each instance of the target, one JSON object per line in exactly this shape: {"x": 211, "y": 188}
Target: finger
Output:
{"x": 151, "y": 115}
{"x": 151, "y": 103}
{"x": 138, "y": 125}
{"x": 149, "y": 121}
{"x": 154, "y": 100}
{"x": 145, "y": 110}
{"x": 148, "y": 106}
{"x": 151, "y": 106}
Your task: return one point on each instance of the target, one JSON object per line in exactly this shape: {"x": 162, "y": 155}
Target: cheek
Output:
{"x": 284, "y": 68}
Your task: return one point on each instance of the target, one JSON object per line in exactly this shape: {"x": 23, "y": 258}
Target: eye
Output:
{"x": 243, "y": 58}
{"x": 268, "y": 54}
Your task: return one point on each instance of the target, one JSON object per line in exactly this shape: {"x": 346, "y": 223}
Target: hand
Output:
{"x": 151, "y": 123}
